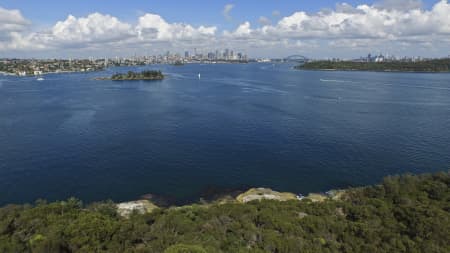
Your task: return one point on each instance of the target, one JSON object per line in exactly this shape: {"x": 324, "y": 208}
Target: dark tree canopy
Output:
{"x": 144, "y": 75}
{"x": 402, "y": 214}
{"x": 436, "y": 65}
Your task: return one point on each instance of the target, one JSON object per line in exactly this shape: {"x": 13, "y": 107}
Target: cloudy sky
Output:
{"x": 260, "y": 28}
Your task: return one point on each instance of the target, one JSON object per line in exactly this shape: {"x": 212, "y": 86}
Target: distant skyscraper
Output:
{"x": 186, "y": 54}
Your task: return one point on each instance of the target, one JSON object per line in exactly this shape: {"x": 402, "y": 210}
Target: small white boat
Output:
{"x": 198, "y": 75}
{"x": 40, "y": 79}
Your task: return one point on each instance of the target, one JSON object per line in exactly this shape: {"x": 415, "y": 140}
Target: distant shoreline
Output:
{"x": 46, "y": 73}
{"x": 7, "y": 73}
{"x": 379, "y": 71}
{"x": 426, "y": 66}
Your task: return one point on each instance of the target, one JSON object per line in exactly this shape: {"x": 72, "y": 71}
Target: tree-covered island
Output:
{"x": 402, "y": 214}
{"x": 130, "y": 75}
{"x": 435, "y": 65}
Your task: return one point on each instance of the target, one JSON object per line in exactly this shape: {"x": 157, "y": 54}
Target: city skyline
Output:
{"x": 317, "y": 30}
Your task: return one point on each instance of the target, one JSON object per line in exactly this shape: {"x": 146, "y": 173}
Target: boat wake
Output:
{"x": 386, "y": 84}
{"x": 250, "y": 86}
{"x": 336, "y": 81}
{"x": 176, "y": 76}
{"x": 418, "y": 86}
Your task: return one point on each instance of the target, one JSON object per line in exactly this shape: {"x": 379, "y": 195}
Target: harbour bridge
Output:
{"x": 296, "y": 58}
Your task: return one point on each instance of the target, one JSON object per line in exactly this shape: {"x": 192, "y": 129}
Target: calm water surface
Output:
{"x": 240, "y": 125}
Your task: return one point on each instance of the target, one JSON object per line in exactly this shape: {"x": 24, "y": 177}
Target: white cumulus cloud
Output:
{"x": 12, "y": 20}
{"x": 95, "y": 28}
{"x": 74, "y": 32}
{"x": 351, "y": 27}
{"x": 364, "y": 21}
{"x": 11, "y": 24}
{"x": 243, "y": 29}
{"x": 153, "y": 27}
{"x": 382, "y": 25}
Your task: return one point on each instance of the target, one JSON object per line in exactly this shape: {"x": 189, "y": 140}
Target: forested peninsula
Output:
{"x": 435, "y": 65}
{"x": 401, "y": 214}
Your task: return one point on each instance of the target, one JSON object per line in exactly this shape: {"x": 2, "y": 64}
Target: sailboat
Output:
{"x": 198, "y": 75}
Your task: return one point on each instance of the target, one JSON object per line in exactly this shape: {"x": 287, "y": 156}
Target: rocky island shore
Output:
{"x": 149, "y": 204}
{"x": 130, "y": 75}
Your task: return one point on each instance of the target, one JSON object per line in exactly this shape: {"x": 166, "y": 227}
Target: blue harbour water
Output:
{"x": 239, "y": 125}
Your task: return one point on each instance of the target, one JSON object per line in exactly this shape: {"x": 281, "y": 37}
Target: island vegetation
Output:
{"x": 402, "y": 214}
{"x": 130, "y": 75}
{"x": 435, "y": 65}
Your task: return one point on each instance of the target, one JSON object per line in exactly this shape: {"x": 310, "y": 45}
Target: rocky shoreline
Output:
{"x": 128, "y": 79}
{"x": 150, "y": 202}
{"x": 7, "y": 73}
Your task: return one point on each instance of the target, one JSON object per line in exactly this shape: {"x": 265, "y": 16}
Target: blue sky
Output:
{"x": 308, "y": 34}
